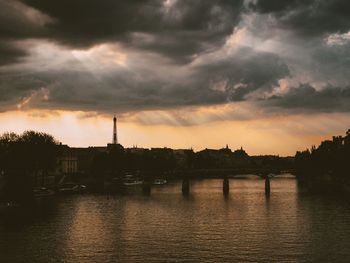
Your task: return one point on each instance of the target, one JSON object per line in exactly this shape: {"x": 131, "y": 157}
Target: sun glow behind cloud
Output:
{"x": 274, "y": 135}
{"x": 101, "y": 55}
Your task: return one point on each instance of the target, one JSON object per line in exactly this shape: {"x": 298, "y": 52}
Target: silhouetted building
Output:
{"x": 115, "y": 137}
{"x": 347, "y": 138}
{"x": 99, "y": 149}
{"x": 183, "y": 157}
{"x": 68, "y": 164}
{"x": 73, "y": 160}
{"x": 240, "y": 153}
{"x": 115, "y": 146}
{"x": 111, "y": 147}
{"x": 136, "y": 150}
{"x": 79, "y": 160}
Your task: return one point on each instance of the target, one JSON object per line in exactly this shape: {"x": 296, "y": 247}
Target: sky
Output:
{"x": 269, "y": 75}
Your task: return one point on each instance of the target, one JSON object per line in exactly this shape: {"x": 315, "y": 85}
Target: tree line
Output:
{"x": 326, "y": 167}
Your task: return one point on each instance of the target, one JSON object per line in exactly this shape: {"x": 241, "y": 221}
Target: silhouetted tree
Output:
{"x": 22, "y": 157}
{"x": 326, "y": 167}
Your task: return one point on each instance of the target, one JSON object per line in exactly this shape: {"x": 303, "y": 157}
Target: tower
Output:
{"x": 115, "y": 138}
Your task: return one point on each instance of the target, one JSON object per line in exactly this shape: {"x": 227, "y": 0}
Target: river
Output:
{"x": 289, "y": 226}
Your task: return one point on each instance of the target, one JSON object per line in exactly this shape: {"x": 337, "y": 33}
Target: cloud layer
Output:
{"x": 129, "y": 56}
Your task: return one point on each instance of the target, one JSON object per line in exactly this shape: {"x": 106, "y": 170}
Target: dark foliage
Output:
{"x": 326, "y": 166}
{"x": 22, "y": 158}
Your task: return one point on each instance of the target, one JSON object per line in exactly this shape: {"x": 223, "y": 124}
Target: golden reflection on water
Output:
{"x": 247, "y": 226}
{"x": 202, "y": 220}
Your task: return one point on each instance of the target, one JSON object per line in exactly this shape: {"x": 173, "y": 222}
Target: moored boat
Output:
{"x": 160, "y": 181}
{"x": 71, "y": 188}
{"x": 43, "y": 192}
{"x": 132, "y": 182}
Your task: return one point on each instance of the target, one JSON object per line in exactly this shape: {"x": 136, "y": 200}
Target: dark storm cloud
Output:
{"x": 307, "y": 98}
{"x": 179, "y": 30}
{"x": 14, "y": 87}
{"x": 331, "y": 64}
{"x": 9, "y": 53}
{"x": 308, "y": 17}
{"x": 219, "y": 82}
{"x": 83, "y": 23}
{"x": 245, "y": 73}
{"x": 18, "y": 21}
{"x": 80, "y": 90}
{"x": 178, "y": 53}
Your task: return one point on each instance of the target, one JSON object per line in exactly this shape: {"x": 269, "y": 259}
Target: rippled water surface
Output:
{"x": 289, "y": 226}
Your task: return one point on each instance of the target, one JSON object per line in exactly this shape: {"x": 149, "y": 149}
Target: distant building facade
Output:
{"x": 68, "y": 164}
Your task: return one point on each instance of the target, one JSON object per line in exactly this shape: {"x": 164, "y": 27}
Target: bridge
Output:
{"x": 146, "y": 185}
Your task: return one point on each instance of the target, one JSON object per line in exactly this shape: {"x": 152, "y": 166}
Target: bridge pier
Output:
{"x": 226, "y": 186}
{"x": 185, "y": 187}
{"x": 267, "y": 185}
{"x": 146, "y": 188}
